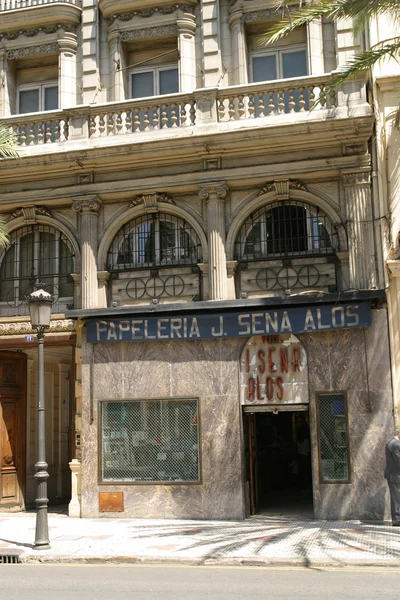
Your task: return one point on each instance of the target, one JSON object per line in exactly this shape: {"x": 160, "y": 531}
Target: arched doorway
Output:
{"x": 275, "y": 401}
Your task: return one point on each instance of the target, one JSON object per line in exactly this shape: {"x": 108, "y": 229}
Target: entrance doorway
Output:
{"x": 278, "y": 461}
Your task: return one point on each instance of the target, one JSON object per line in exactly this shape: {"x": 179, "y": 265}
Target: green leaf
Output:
{"x": 8, "y": 143}
{"x": 4, "y": 239}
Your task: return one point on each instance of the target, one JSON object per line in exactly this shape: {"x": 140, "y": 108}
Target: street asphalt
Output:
{"x": 141, "y": 582}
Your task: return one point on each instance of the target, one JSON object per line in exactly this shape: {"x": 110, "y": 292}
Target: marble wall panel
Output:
{"x": 353, "y": 361}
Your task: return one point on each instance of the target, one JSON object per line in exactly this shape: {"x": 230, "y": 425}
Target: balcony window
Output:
{"x": 155, "y": 82}
{"x": 36, "y": 254}
{"x": 285, "y": 229}
{"x": 280, "y": 64}
{"x": 37, "y": 98}
{"x": 154, "y": 240}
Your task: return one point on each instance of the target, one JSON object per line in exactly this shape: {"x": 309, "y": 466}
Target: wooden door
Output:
{"x": 253, "y": 467}
{"x": 12, "y": 429}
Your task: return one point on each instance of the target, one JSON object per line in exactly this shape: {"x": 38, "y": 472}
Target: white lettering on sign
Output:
{"x": 274, "y": 370}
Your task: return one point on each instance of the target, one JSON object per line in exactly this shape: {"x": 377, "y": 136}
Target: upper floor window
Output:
{"x": 36, "y": 254}
{"x": 157, "y": 239}
{"x": 284, "y": 63}
{"x": 286, "y": 228}
{"x": 157, "y": 81}
{"x": 37, "y": 98}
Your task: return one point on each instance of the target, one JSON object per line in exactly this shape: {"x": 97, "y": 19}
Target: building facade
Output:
{"x": 207, "y": 218}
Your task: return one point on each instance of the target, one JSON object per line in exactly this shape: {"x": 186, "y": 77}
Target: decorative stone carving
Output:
{"x": 30, "y": 213}
{"x": 13, "y": 35}
{"x": 138, "y": 34}
{"x": 358, "y": 177}
{"x": 32, "y": 51}
{"x": 25, "y": 327}
{"x": 151, "y": 201}
{"x": 145, "y": 14}
{"x": 86, "y": 205}
{"x": 215, "y": 190}
{"x": 282, "y": 188}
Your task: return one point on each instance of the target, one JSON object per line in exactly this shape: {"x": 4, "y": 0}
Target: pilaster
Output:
{"x": 361, "y": 241}
{"x": 63, "y": 379}
{"x": 117, "y": 65}
{"x": 103, "y": 278}
{"x": 239, "y": 49}
{"x": 88, "y": 209}
{"x": 315, "y": 47}
{"x": 212, "y": 60}
{"x": 393, "y": 297}
{"x": 74, "y": 507}
{"x": 214, "y": 194}
{"x": 90, "y": 46}
{"x": 67, "y": 67}
{"x": 187, "y": 52}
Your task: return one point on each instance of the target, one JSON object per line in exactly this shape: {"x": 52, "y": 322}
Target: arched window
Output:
{"x": 158, "y": 239}
{"x": 285, "y": 229}
{"x": 36, "y": 254}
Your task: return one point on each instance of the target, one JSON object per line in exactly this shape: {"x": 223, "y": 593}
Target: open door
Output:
{"x": 253, "y": 463}
{"x": 12, "y": 429}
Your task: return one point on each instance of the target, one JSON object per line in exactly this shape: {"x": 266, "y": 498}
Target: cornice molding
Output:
{"x": 145, "y": 14}
{"x": 149, "y": 32}
{"x": 356, "y": 178}
{"x": 25, "y": 327}
{"x": 29, "y": 33}
{"x": 33, "y": 51}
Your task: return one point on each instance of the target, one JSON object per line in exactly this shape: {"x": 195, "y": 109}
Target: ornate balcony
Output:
{"x": 207, "y": 111}
{"x": 28, "y": 14}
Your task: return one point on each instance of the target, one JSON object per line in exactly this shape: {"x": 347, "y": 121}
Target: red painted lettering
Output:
{"x": 271, "y": 364}
{"x": 261, "y": 356}
{"x": 296, "y": 359}
{"x": 269, "y": 388}
{"x": 284, "y": 360}
{"x": 250, "y": 389}
{"x": 279, "y": 385}
{"x": 258, "y": 388}
{"x": 247, "y": 361}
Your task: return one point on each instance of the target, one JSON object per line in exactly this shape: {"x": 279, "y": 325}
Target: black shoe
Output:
{"x": 396, "y": 524}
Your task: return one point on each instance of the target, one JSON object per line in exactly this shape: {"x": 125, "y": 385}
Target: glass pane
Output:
{"x": 29, "y": 101}
{"x": 51, "y": 98}
{"x": 7, "y": 272}
{"x": 294, "y": 64}
{"x": 142, "y": 84}
{"x": 150, "y": 440}
{"x": 333, "y": 437}
{"x": 169, "y": 81}
{"x": 264, "y": 68}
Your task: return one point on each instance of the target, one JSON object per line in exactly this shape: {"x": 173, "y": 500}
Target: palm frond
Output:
{"x": 397, "y": 119}
{"x": 7, "y": 143}
{"x": 4, "y": 239}
{"x": 365, "y": 60}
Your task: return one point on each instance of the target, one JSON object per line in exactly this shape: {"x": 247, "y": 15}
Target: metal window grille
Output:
{"x": 150, "y": 441}
{"x": 154, "y": 240}
{"x": 283, "y": 229}
{"x": 36, "y": 254}
{"x": 333, "y": 437}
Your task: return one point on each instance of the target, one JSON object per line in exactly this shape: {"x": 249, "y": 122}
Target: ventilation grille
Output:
{"x": 9, "y": 559}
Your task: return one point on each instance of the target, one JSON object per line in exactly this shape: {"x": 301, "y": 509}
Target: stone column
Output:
{"x": 117, "y": 65}
{"x": 360, "y": 228}
{"x": 393, "y": 296}
{"x": 187, "y": 52}
{"x": 239, "y": 49}
{"x": 63, "y": 423}
{"x": 103, "y": 278}
{"x": 8, "y": 85}
{"x": 214, "y": 194}
{"x": 315, "y": 47}
{"x": 67, "y": 68}
{"x": 88, "y": 208}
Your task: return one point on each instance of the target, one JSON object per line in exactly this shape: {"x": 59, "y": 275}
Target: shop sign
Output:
{"x": 232, "y": 324}
{"x": 273, "y": 369}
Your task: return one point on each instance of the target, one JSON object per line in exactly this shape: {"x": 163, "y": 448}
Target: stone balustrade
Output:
{"x": 270, "y": 102}
{"x": 19, "y": 4}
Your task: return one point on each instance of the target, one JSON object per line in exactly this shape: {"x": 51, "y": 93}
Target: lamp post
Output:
{"x": 40, "y": 303}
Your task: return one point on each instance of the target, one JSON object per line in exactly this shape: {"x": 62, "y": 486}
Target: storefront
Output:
{"x": 237, "y": 408}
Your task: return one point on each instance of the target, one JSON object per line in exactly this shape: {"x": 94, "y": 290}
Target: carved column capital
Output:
{"x": 87, "y": 205}
{"x": 356, "y": 177}
{"x": 213, "y": 191}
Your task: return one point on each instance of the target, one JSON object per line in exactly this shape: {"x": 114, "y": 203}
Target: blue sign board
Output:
{"x": 230, "y": 324}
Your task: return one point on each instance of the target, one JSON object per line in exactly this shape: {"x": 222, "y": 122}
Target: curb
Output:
{"x": 210, "y": 561}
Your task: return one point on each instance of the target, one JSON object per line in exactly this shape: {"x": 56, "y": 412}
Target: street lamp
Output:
{"x": 40, "y": 311}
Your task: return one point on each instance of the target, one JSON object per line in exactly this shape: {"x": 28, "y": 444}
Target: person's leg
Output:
{"x": 394, "y": 489}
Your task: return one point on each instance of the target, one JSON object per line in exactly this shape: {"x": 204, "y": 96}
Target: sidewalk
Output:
{"x": 261, "y": 541}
